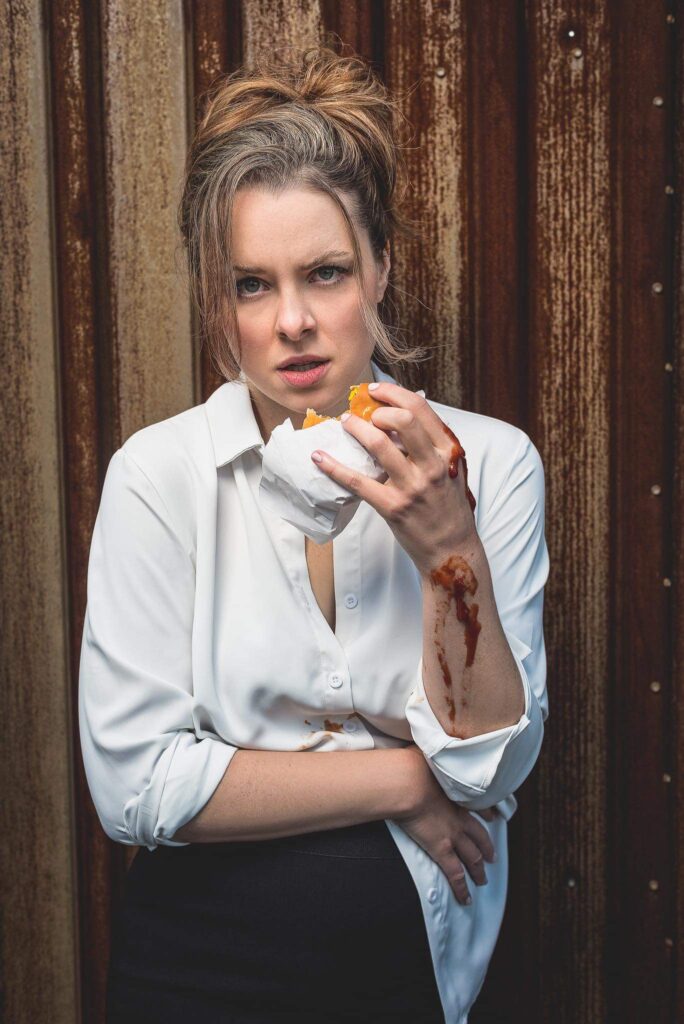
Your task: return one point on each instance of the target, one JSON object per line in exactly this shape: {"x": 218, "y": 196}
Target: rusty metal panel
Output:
{"x": 539, "y": 163}
{"x": 425, "y": 65}
{"x": 675, "y": 368}
{"x": 267, "y": 24}
{"x": 36, "y": 866}
{"x": 86, "y": 385}
{"x": 570, "y": 329}
{"x": 642, "y": 872}
{"x": 144, "y": 94}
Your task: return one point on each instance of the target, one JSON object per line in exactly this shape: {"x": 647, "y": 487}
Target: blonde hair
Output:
{"x": 312, "y": 118}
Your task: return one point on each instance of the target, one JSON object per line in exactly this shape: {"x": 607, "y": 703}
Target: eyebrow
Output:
{"x": 326, "y": 257}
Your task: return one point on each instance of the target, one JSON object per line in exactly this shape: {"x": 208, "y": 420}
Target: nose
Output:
{"x": 293, "y": 316}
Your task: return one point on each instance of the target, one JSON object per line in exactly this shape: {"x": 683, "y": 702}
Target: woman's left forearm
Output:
{"x": 470, "y": 676}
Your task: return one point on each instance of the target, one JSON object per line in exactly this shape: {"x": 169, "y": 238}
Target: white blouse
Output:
{"x": 202, "y": 635}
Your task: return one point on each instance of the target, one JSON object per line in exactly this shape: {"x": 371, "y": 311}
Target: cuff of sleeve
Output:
{"x": 465, "y": 768}
{"x": 183, "y": 780}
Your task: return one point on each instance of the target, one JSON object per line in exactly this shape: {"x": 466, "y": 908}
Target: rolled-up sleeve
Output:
{"x": 148, "y": 771}
{"x": 485, "y": 770}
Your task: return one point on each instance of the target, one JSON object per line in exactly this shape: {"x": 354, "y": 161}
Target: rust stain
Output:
{"x": 274, "y": 23}
{"x": 570, "y": 325}
{"x": 37, "y": 857}
{"x": 146, "y": 141}
{"x": 433, "y": 297}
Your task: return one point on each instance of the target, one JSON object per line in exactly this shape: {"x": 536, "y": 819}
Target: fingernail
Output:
{"x": 374, "y": 385}
{"x": 345, "y": 416}
{"x": 469, "y": 901}
{"x": 316, "y": 456}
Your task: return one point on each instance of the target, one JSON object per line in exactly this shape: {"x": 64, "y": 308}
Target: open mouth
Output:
{"x": 304, "y": 374}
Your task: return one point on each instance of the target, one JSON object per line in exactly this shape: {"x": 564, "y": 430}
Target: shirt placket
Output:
{"x": 331, "y": 678}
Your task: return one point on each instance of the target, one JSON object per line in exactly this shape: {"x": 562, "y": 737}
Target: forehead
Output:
{"x": 295, "y": 223}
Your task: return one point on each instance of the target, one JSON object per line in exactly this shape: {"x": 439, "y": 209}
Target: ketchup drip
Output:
{"x": 457, "y": 578}
{"x": 457, "y": 453}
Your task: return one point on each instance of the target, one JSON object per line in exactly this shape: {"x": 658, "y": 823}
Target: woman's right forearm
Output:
{"x": 265, "y": 794}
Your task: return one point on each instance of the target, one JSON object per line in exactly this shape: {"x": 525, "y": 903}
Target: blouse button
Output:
{"x": 351, "y": 600}
{"x": 335, "y": 680}
{"x": 432, "y": 895}
{"x": 350, "y": 726}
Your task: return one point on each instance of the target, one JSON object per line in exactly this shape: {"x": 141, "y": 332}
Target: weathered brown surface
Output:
{"x": 82, "y": 310}
{"x": 642, "y": 884}
{"x": 424, "y": 62}
{"x": 538, "y": 185}
{"x": 267, "y": 24}
{"x": 570, "y": 325}
{"x": 145, "y": 107}
{"x": 675, "y": 372}
{"x": 37, "y": 874}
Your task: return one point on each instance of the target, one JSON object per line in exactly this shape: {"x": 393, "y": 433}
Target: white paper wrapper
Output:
{"x": 303, "y": 495}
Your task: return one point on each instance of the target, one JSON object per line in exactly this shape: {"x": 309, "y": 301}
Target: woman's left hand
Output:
{"x": 427, "y": 510}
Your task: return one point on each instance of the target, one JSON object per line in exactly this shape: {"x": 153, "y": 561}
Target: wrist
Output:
{"x": 411, "y": 779}
{"x": 468, "y": 547}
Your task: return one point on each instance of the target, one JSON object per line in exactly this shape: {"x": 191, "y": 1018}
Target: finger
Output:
{"x": 376, "y": 441}
{"x": 376, "y": 494}
{"x": 480, "y": 836}
{"x": 471, "y": 855}
{"x": 456, "y": 876}
{"x": 395, "y": 395}
{"x": 412, "y": 432}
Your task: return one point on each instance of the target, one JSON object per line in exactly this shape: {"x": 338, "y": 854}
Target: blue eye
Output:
{"x": 246, "y": 281}
{"x": 335, "y": 270}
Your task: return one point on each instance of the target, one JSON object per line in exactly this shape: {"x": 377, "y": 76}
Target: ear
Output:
{"x": 383, "y": 276}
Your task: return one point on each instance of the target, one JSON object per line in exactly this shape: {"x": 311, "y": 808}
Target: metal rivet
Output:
{"x": 667, "y": 777}
{"x": 577, "y": 52}
{"x": 571, "y": 883}
{"x": 571, "y": 33}
{"x": 669, "y": 367}
{"x": 658, "y": 101}
{"x": 669, "y": 190}
{"x": 656, "y": 287}
{"x": 440, "y": 72}
{"x": 654, "y": 885}
{"x": 656, "y": 489}
{"x": 667, "y": 582}
{"x": 655, "y": 686}
{"x": 669, "y": 18}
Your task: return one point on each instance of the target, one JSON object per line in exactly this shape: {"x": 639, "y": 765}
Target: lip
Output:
{"x": 304, "y": 378}
{"x": 305, "y": 357}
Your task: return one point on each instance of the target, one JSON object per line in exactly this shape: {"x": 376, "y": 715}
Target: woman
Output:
{"x": 220, "y": 646}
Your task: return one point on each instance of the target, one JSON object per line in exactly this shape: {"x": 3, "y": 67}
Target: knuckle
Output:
{"x": 398, "y": 510}
{"x": 353, "y": 482}
{"x": 437, "y": 474}
{"x": 378, "y": 445}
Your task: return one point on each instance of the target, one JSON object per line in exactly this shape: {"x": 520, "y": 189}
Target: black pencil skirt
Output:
{"x": 324, "y": 926}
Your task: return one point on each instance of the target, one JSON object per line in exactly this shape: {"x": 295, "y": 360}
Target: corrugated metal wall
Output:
{"x": 547, "y": 174}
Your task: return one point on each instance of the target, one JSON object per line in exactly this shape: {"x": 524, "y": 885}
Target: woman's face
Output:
{"x": 297, "y": 298}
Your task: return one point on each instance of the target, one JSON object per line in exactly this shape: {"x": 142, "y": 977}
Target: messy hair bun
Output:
{"x": 308, "y": 117}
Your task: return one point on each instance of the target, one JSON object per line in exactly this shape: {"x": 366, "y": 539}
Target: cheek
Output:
{"x": 343, "y": 315}
{"x": 253, "y": 329}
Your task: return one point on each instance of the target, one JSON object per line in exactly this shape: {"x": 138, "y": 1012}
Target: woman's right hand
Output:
{"x": 448, "y": 833}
